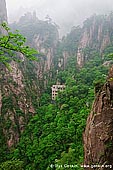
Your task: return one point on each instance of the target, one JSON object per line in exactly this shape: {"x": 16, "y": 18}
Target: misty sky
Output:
{"x": 66, "y": 13}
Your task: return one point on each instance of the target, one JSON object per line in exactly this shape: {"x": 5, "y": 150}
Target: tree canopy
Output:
{"x": 12, "y": 45}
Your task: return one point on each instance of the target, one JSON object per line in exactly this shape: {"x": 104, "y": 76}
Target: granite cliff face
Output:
{"x": 3, "y": 11}
{"x": 3, "y": 17}
{"x": 3, "y": 14}
{"x": 42, "y": 35}
{"x": 98, "y": 135}
{"x": 21, "y": 88}
{"x": 85, "y": 42}
{"x": 96, "y": 35}
{"x": 17, "y": 89}
{"x": 39, "y": 43}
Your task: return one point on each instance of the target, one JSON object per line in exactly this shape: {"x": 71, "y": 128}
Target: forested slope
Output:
{"x": 51, "y": 131}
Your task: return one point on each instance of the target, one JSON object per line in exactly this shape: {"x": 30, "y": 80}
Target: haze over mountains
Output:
{"x": 66, "y": 13}
{"x": 36, "y": 131}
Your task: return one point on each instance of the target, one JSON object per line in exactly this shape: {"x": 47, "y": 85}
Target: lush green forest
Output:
{"x": 52, "y": 138}
{"x": 54, "y": 135}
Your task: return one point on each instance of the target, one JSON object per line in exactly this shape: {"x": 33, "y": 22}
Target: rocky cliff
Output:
{"x": 96, "y": 35}
{"x": 98, "y": 135}
{"x": 21, "y": 88}
{"x": 19, "y": 93}
{"x": 85, "y": 42}
{"x": 42, "y": 35}
{"x": 3, "y": 11}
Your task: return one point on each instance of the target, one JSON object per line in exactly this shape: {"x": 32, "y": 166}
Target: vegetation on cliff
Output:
{"x": 11, "y": 43}
{"x": 54, "y": 134}
{"x": 52, "y": 137}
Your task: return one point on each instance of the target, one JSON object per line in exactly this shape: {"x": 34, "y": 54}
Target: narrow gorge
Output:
{"x": 74, "y": 130}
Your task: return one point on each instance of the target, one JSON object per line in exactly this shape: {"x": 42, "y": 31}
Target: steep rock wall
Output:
{"x": 48, "y": 52}
{"x": 43, "y": 36}
{"x": 3, "y": 14}
{"x": 16, "y": 91}
{"x": 18, "y": 87}
{"x": 96, "y": 35}
{"x": 98, "y": 135}
{"x": 21, "y": 88}
{"x": 3, "y": 11}
{"x": 3, "y": 17}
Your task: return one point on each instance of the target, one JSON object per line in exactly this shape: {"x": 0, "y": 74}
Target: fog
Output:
{"x": 66, "y": 13}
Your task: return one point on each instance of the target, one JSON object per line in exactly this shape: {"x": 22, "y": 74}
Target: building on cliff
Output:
{"x": 56, "y": 89}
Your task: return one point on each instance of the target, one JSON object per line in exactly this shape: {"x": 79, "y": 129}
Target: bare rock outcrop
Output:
{"x": 98, "y": 135}
{"x": 96, "y": 35}
{"x": 3, "y": 14}
{"x": 3, "y": 11}
{"x": 16, "y": 86}
{"x": 16, "y": 104}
